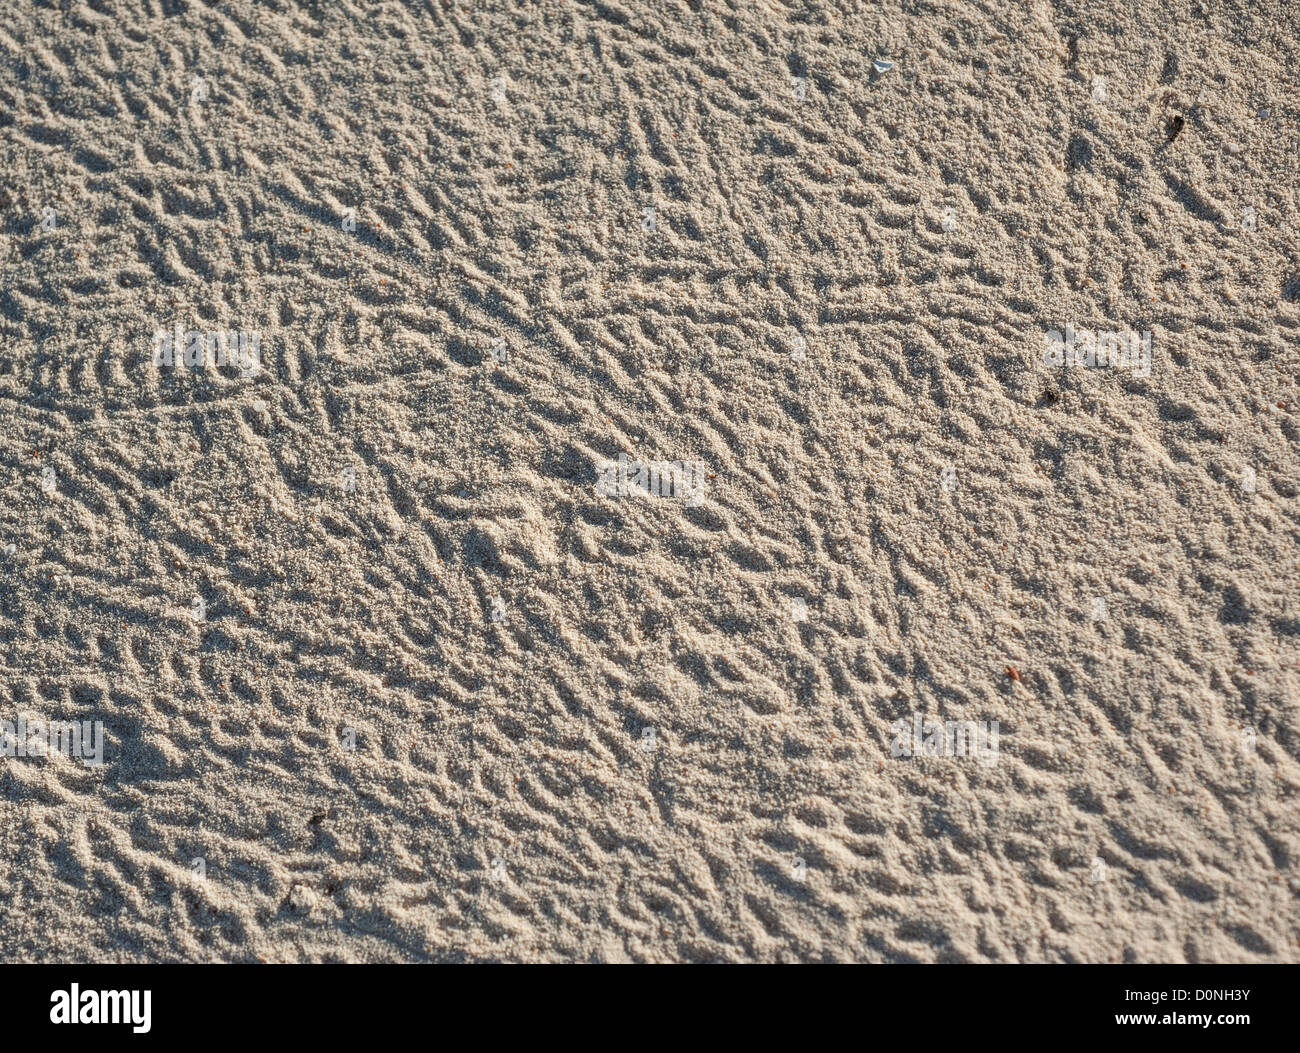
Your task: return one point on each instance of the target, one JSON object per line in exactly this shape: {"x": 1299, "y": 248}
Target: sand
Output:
{"x": 393, "y": 664}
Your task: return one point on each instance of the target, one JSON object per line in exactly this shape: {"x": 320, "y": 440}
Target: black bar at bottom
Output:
{"x": 368, "y": 1002}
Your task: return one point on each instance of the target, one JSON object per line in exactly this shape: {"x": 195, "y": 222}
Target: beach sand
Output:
{"x": 386, "y": 670}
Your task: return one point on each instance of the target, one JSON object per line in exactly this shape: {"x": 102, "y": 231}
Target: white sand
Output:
{"x": 505, "y": 799}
